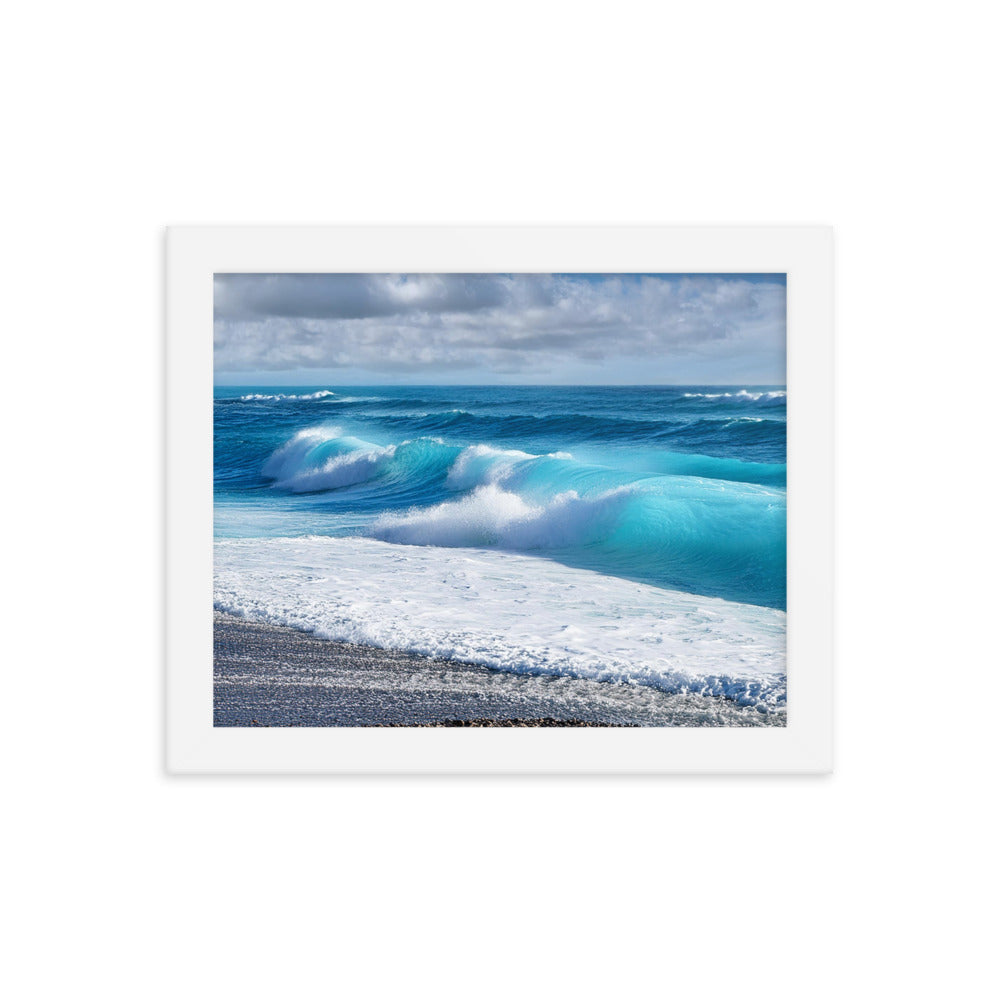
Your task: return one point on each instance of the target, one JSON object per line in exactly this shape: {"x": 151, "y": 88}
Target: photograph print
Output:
{"x": 499, "y": 500}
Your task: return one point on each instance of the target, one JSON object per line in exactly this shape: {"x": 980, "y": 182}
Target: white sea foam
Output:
{"x": 257, "y": 397}
{"x": 511, "y": 612}
{"x": 742, "y": 394}
{"x": 491, "y": 515}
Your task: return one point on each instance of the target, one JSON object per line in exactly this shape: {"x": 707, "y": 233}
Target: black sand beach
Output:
{"x": 272, "y": 676}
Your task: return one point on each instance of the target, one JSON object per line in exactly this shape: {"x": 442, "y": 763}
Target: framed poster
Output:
{"x": 499, "y": 499}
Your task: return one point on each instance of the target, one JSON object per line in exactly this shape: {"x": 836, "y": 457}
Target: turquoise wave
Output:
{"x": 682, "y": 487}
{"x": 678, "y": 529}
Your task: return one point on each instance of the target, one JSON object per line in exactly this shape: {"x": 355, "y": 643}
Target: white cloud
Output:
{"x": 424, "y": 325}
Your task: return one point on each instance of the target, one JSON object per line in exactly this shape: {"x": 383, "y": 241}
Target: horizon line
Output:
{"x": 486, "y": 385}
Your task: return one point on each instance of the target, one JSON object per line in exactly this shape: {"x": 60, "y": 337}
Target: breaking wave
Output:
{"x": 708, "y": 535}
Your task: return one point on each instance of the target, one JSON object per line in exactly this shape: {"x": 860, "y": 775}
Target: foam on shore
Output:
{"x": 507, "y": 611}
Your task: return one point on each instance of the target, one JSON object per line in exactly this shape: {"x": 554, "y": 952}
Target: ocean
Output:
{"x": 629, "y": 534}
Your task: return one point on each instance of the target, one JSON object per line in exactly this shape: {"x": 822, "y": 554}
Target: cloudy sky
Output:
{"x": 344, "y": 329}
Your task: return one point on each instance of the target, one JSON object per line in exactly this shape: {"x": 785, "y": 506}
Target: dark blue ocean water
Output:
{"x": 682, "y": 487}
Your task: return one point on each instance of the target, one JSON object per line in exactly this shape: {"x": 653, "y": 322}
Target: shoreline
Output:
{"x": 270, "y": 675}
{"x": 517, "y": 612}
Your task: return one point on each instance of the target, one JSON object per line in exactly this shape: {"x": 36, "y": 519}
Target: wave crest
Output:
{"x": 319, "y": 459}
{"x": 492, "y": 516}
{"x": 283, "y": 397}
{"x": 257, "y": 397}
{"x": 743, "y": 395}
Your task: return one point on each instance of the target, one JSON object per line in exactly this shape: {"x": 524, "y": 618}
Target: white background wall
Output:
{"x": 878, "y": 118}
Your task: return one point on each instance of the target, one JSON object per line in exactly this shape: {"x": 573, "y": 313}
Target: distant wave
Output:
{"x": 281, "y": 397}
{"x": 716, "y": 430}
{"x": 743, "y": 394}
{"x": 257, "y": 397}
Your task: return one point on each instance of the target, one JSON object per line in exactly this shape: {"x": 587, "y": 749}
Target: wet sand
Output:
{"x": 266, "y": 675}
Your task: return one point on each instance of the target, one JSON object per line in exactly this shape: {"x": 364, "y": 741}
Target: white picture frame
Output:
{"x": 196, "y": 253}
